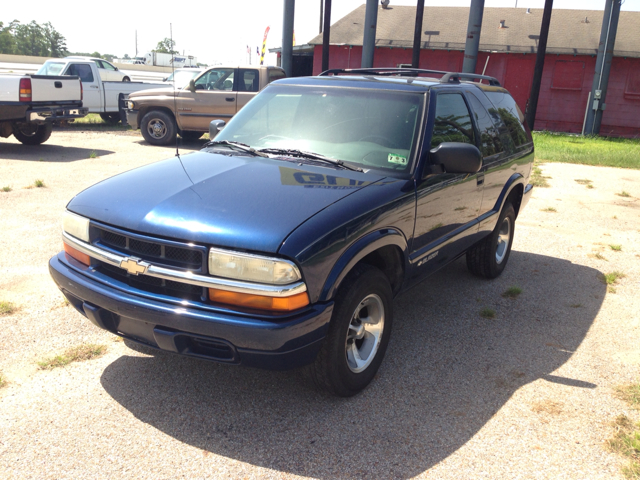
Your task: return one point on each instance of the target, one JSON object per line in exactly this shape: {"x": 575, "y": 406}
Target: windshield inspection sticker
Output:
{"x": 395, "y": 158}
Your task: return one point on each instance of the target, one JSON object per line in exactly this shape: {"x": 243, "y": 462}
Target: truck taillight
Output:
{"x": 25, "y": 89}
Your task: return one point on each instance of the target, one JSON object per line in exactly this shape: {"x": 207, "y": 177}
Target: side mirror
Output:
{"x": 215, "y": 127}
{"x": 457, "y": 157}
{"x": 165, "y": 79}
{"x": 192, "y": 86}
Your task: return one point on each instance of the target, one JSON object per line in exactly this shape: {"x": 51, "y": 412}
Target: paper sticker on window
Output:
{"x": 395, "y": 158}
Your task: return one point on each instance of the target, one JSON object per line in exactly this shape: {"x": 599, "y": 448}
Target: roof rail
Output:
{"x": 447, "y": 77}
{"x": 455, "y": 78}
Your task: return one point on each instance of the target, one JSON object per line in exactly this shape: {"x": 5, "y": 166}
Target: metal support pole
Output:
{"x": 369, "y": 38}
{"x": 287, "y": 36}
{"x": 326, "y": 34}
{"x": 603, "y": 66}
{"x": 321, "y": 16}
{"x": 417, "y": 35}
{"x": 532, "y": 105}
{"x": 473, "y": 36}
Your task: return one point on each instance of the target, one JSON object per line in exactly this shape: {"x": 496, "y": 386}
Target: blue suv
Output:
{"x": 283, "y": 242}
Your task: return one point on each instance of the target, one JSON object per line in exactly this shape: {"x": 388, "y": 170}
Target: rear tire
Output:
{"x": 32, "y": 134}
{"x": 158, "y": 128}
{"x": 489, "y": 257}
{"x": 358, "y": 335}
{"x": 110, "y": 118}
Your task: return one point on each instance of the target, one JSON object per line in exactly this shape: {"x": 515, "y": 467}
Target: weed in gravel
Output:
{"x": 435, "y": 227}
{"x": 623, "y": 194}
{"x": 93, "y": 154}
{"x": 612, "y": 278}
{"x": 488, "y": 313}
{"x": 75, "y": 354}
{"x": 460, "y": 209}
{"x": 590, "y": 186}
{"x": 548, "y": 209}
{"x": 547, "y": 406}
{"x": 7, "y": 308}
{"x": 537, "y": 179}
{"x": 616, "y": 248}
{"x": 630, "y": 394}
{"x": 6, "y": 189}
{"x": 512, "y": 292}
{"x": 583, "y": 181}
{"x": 3, "y": 382}
{"x": 615, "y": 217}
{"x": 39, "y": 183}
{"x": 626, "y": 441}
{"x": 575, "y": 305}
{"x": 599, "y": 256}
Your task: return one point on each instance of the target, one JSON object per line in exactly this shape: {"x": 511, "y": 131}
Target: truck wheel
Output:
{"x": 158, "y": 128}
{"x": 110, "y": 118}
{"x": 126, "y": 79}
{"x": 489, "y": 257}
{"x": 358, "y": 334}
{"x": 191, "y": 135}
{"x": 32, "y": 134}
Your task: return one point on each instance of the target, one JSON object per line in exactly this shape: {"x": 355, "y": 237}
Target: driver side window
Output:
{"x": 216, "y": 79}
{"x": 453, "y": 121}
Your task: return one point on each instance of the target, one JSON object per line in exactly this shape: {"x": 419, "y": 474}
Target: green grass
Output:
{"x": 588, "y": 150}
{"x": 75, "y": 354}
{"x": 39, "y": 183}
{"x": 6, "y": 189}
{"x": 624, "y": 194}
{"x": 626, "y": 440}
{"x": 512, "y": 292}
{"x": 94, "y": 122}
{"x": 549, "y": 209}
{"x": 537, "y": 179}
{"x": 599, "y": 256}
{"x": 616, "y": 248}
{"x": 7, "y": 308}
{"x": 488, "y": 313}
{"x": 93, "y": 154}
{"x": 583, "y": 181}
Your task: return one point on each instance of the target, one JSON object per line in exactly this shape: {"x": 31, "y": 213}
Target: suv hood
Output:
{"x": 248, "y": 203}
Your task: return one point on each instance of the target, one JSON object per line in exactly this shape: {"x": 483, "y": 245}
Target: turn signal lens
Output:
{"x": 77, "y": 255}
{"x": 260, "y": 302}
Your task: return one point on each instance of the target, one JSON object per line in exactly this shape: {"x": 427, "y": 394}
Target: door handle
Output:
{"x": 93, "y": 86}
{"x": 230, "y": 99}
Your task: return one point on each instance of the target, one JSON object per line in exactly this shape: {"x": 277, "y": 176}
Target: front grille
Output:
{"x": 157, "y": 252}
{"x": 160, "y": 286}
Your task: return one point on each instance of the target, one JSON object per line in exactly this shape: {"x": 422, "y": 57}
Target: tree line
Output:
{"x": 37, "y": 40}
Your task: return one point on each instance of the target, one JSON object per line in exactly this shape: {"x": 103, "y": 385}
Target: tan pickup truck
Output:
{"x": 217, "y": 94}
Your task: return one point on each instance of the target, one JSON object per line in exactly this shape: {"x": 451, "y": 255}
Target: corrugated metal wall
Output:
{"x": 565, "y": 88}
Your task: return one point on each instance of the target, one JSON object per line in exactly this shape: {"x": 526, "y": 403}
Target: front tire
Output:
{"x": 126, "y": 79}
{"x": 158, "y": 128}
{"x": 358, "y": 334}
{"x": 32, "y": 134}
{"x": 489, "y": 257}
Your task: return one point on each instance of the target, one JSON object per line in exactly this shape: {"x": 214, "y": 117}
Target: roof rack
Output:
{"x": 447, "y": 77}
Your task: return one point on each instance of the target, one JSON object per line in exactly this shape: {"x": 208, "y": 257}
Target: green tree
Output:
{"x": 7, "y": 41}
{"x": 57, "y": 43}
{"x": 126, "y": 55}
{"x": 31, "y": 40}
{"x": 166, "y": 46}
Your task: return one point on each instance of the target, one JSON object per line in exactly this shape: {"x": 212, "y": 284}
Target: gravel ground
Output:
{"x": 528, "y": 394}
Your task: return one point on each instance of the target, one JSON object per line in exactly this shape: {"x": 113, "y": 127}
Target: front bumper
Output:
{"x": 132, "y": 118}
{"x": 277, "y": 343}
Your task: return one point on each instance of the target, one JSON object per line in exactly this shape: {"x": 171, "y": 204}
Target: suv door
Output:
{"x": 448, "y": 204}
{"x": 213, "y": 99}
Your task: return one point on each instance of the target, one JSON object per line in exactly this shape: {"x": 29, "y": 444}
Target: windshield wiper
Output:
{"x": 243, "y": 147}
{"x": 292, "y": 152}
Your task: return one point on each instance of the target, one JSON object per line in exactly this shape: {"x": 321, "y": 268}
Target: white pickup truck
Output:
{"x": 105, "y": 98}
{"x": 30, "y": 103}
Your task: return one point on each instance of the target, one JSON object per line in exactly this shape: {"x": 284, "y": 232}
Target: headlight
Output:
{"x": 130, "y": 104}
{"x": 252, "y": 268}
{"x": 76, "y": 226}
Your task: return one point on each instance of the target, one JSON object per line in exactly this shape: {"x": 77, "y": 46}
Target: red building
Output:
{"x": 508, "y": 45}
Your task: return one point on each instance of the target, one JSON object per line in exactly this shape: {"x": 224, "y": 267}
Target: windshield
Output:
{"x": 372, "y": 129}
{"x": 182, "y": 77}
{"x": 51, "y": 68}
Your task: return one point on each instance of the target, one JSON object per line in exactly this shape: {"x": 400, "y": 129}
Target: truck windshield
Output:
{"x": 51, "y": 68}
{"x": 371, "y": 129}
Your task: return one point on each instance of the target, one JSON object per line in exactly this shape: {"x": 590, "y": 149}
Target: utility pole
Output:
{"x": 287, "y": 37}
{"x": 369, "y": 37}
{"x": 321, "y": 17}
{"x": 473, "y": 36}
{"x": 417, "y": 35}
{"x": 532, "y": 104}
{"x": 326, "y": 34}
{"x": 603, "y": 66}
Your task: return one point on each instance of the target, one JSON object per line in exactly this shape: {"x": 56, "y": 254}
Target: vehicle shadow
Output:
{"x": 446, "y": 373}
{"x": 48, "y": 152}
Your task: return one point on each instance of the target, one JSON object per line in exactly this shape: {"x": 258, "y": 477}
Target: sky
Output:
{"x": 214, "y": 31}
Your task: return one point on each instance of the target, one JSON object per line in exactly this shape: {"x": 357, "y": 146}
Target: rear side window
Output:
{"x": 490, "y": 143}
{"x": 510, "y": 114}
{"x": 453, "y": 122}
{"x": 249, "y": 80}
{"x": 82, "y": 70}
{"x": 275, "y": 74}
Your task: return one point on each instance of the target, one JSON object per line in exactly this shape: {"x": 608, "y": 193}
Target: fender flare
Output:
{"x": 362, "y": 247}
{"x": 515, "y": 180}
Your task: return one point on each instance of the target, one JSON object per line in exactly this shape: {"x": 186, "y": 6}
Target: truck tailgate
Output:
{"x": 47, "y": 88}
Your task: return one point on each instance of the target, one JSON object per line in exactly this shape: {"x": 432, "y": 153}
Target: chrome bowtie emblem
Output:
{"x": 134, "y": 266}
